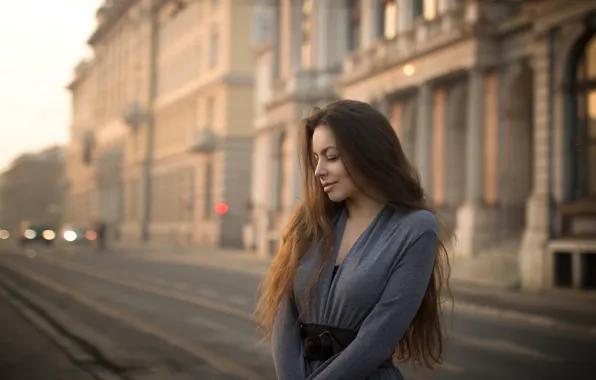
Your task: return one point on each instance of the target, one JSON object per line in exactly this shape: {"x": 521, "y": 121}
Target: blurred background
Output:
{"x": 150, "y": 145}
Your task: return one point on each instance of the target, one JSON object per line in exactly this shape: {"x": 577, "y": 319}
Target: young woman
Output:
{"x": 357, "y": 280}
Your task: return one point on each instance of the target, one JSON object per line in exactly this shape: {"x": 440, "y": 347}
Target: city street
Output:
{"x": 145, "y": 319}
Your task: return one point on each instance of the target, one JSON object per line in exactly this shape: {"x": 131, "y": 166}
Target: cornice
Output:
{"x": 112, "y": 15}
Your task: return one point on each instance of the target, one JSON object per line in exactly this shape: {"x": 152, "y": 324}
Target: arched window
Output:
{"x": 583, "y": 138}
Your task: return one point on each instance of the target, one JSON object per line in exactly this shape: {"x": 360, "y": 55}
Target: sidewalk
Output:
{"x": 557, "y": 309}
{"x": 27, "y": 354}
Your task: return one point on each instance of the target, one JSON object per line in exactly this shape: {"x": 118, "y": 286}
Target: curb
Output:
{"x": 525, "y": 317}
{"x": 79, "y": 346}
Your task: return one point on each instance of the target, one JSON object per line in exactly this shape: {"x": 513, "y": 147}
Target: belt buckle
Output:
{"x": 320, "y": 345}
{"x": 326, "y": 345}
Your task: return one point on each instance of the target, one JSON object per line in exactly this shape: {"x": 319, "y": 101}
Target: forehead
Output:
{"x": 322, "y": 139}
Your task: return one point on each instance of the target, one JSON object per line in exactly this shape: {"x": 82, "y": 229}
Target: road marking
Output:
{"x": 180, "y": 285}
{"x": 148, "y": 288}
{"x": 208, "y": 293}
{"x": 238, "y": 300}
{"x": 219, "y": 362}
{"x": 502, "y": 346}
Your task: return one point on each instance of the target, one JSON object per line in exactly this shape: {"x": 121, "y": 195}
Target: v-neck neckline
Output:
{"x": 343, "y": 221}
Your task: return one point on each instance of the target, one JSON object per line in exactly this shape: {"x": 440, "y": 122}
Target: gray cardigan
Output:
{"x": 377, "y": 291}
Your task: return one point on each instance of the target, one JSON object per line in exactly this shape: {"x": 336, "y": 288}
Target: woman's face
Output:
{"x": 330, "y": 170}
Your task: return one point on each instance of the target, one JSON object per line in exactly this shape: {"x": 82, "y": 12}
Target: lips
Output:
{"x": 327, "y": 186}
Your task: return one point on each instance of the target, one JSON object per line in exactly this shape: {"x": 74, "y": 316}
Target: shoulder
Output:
{"x": 411, "y": 224}
{"x": 422, "y": 221}
{"x": 409, "y": 228}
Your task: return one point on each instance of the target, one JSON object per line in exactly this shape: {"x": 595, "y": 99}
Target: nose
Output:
{"x": 320, "y": 171}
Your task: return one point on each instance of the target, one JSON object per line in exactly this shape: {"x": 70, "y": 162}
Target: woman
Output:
{"x": 358, "y": 276}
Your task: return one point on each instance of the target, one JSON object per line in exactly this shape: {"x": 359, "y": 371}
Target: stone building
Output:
{"x": 160, "y": 131}
{"x": 111, "y": 123}
{"x": 203, "y": 109}
{"x": 492, "y": 101}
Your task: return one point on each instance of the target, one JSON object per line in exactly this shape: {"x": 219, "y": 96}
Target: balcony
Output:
{"x": 424, "y": 37}
{"x": 303, "y": 85}
{"x": 203, "y": 141}
{"x": 132, "y": 115}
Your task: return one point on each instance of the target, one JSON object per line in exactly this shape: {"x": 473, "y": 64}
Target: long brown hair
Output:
{"x": 373, "y": 156}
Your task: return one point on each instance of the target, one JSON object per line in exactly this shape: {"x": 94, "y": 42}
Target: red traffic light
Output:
{"x": 221, "y": 208}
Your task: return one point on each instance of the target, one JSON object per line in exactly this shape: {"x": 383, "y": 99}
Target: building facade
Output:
{"x": 489, "y": 103}
{"x": 299, "y": 50}
{"x": 81, "y": 194}
{"x": 202, "y": 111}
{"x": 111, "y": 124}
{"x": 160, "y": 133}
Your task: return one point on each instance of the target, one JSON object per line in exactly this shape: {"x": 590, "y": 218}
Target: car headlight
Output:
{"x": 4, "y": 234}
{"x": 70, "y": 236}
{"x": 30, "y": 234}
{"x": 48, "y": 234}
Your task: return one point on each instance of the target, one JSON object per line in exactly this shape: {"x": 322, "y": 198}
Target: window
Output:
{"x": 354, "y": 25}
{"x": 210, "y": 112}
{"x": 214, "y": 52}
{"x": 389, "y": 19}
{"x": 418, "y": 8}
{"x": 426, "y": 9}
{"x": 208, "y": 200}
{"x": 430, "y": 9}
{"x": 584, "y": 139}
{"x": 281, "y": 174}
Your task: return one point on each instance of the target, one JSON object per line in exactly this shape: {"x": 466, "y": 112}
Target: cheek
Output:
{"x": 339, "y": 171}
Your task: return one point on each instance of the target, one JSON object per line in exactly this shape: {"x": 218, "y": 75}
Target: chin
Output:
{"x": 337, "y": 198}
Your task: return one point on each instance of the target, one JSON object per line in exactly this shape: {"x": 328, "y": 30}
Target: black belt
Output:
{"x": 321, "y": 342}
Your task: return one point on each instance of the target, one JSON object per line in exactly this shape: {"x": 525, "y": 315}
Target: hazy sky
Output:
{"x": 40, "y": 43}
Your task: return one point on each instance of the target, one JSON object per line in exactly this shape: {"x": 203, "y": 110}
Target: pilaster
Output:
{"x": 475, "y": 222}
{"x": 424, "y": 136}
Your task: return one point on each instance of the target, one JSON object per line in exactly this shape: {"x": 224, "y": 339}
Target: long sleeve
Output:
{"x": 389, "y": 320}
{"x": 286, "y": 343}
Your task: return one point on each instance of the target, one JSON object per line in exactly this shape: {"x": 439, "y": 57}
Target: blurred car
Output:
{"x": 4, "y": 234}
{"x": 37, "y": 233}
{"x": 78, "y": 234}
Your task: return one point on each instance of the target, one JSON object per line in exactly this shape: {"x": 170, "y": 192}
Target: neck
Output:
{"x": 363, "y": 207}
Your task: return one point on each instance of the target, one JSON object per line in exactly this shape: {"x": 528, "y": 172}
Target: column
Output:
{"x": 369, "y": 9}
{"x": 321, "y": 34}
{"x": 275, "y": 143}
{"x": 535, "y": 267}
{"x": 296, "y": 175}
{"x": 405, "y": 15}
{"x": 296, "y": 35}
{"x": 384, "y": 106}
{"x": 424, "y": 136}
{"x": 475, "y": 224}
{"x": 475, "y": 139}
{"x": 438, "y": 147}
{"x": 443, "y": 6}
{"x": 338, "y": 21}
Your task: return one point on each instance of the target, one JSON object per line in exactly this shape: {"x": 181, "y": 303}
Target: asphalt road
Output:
{"x": 177, "y": 321}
